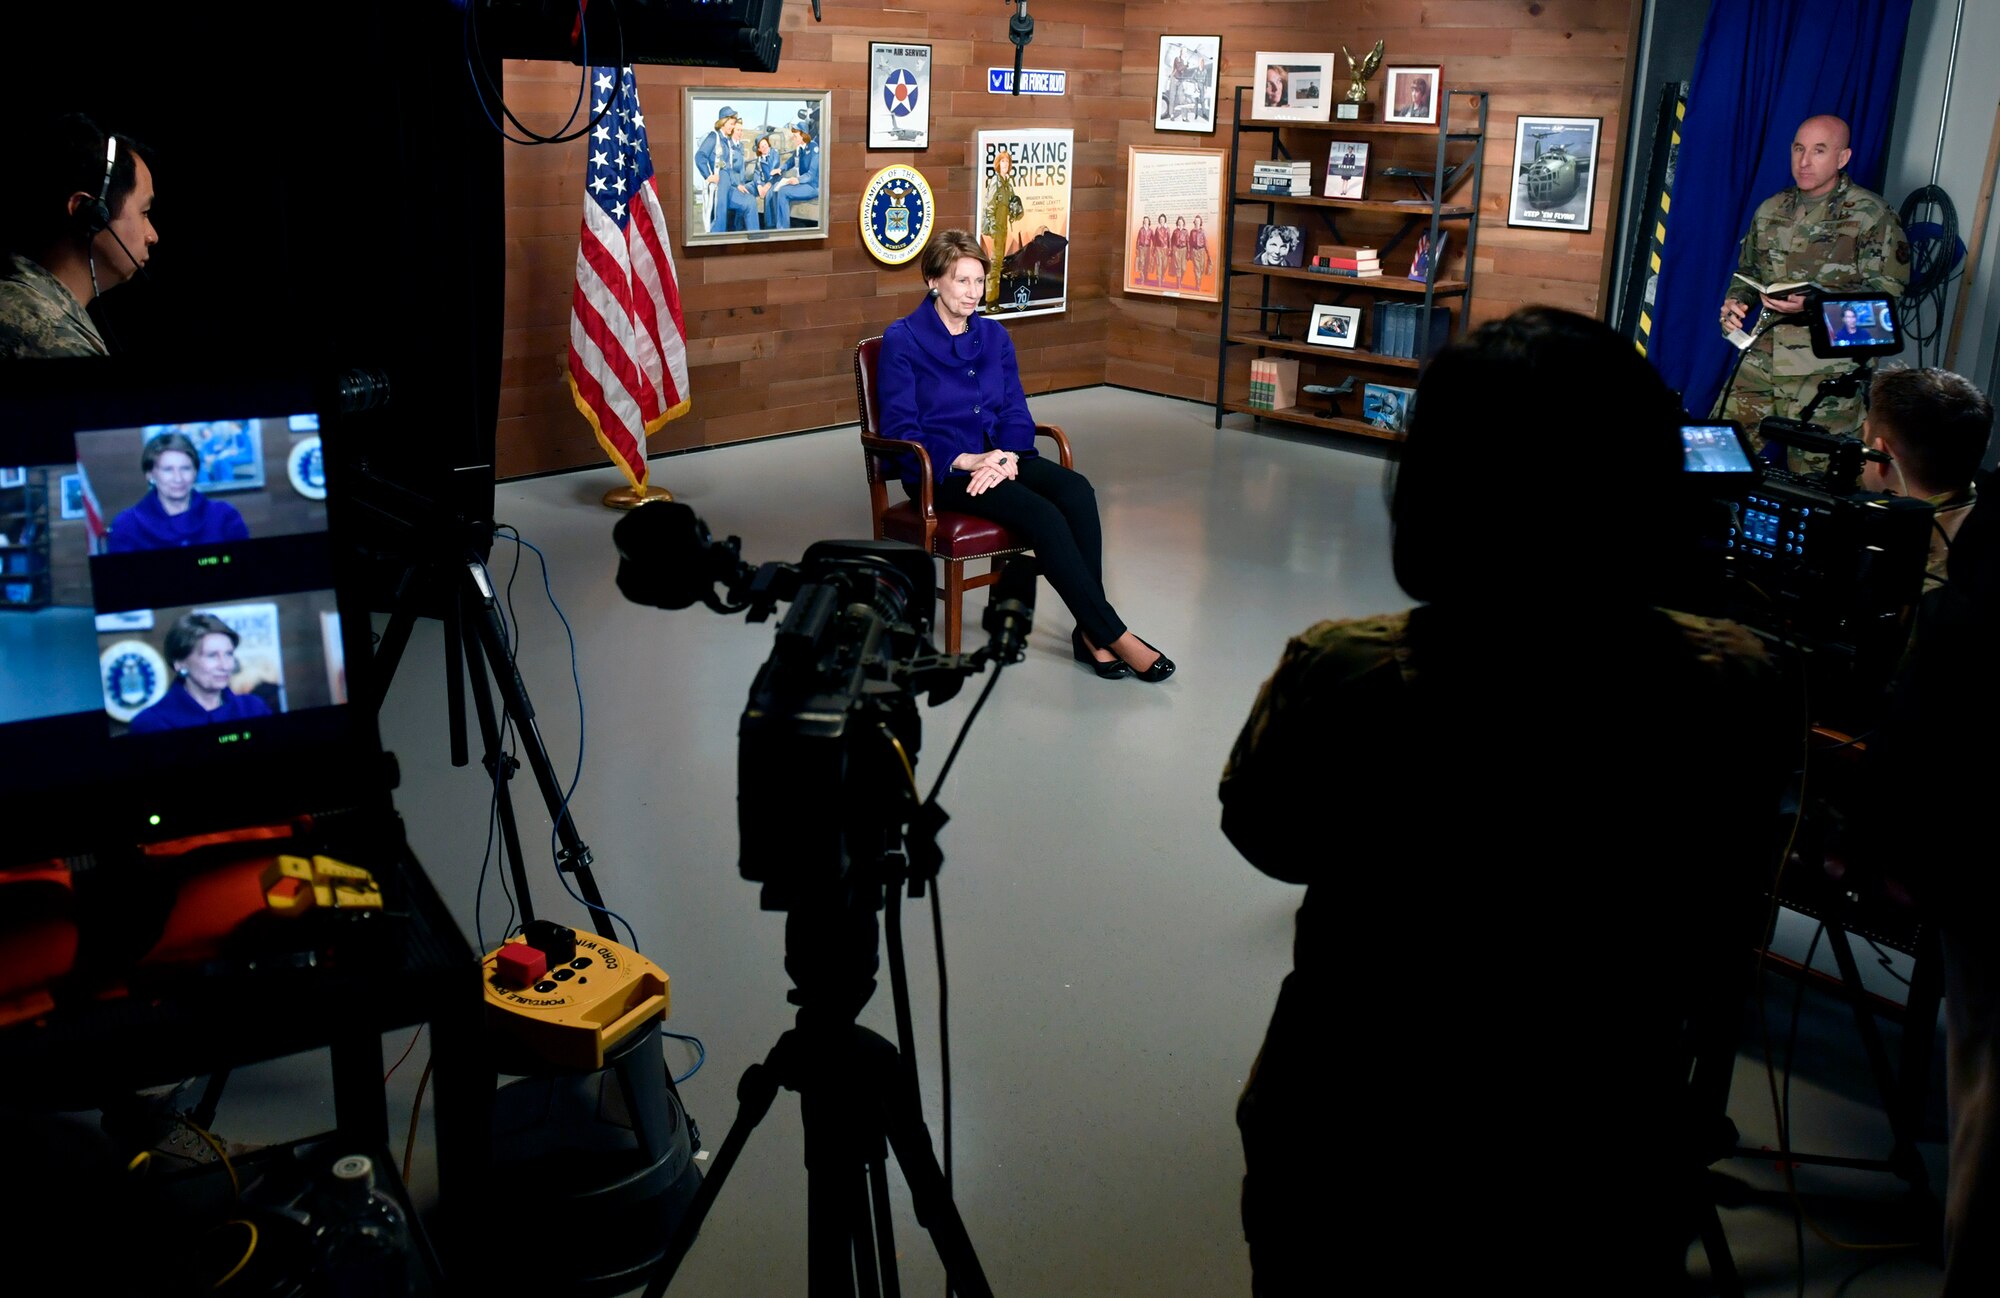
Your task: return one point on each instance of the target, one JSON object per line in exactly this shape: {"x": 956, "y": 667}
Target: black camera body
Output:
{"x": 831, "y": 720}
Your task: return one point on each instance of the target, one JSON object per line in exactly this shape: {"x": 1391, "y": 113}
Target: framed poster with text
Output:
{"x": 1173, "y": 218}
{"x": 1021, "y": 214}
{"x": 899, "y": 97}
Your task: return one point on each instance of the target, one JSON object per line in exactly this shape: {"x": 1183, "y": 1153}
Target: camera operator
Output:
{"x": 1928, "y": 770}
{"x": 1537, "y": 761}
{"x": 75, "y": 225}
{"x": 1934, "y": 426}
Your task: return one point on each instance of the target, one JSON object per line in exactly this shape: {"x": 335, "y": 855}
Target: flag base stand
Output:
{"x": 633, "y": 497}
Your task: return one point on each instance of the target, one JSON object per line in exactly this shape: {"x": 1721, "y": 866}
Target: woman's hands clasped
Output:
{"x": 988, "y": 470}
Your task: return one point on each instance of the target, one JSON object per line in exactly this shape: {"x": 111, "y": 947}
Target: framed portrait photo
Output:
{"x": 1555, "y": 172}
{"x": 899, "y": 98}
{"x": 1173, "y": 221}
{"x": 1186, "y": 101}
{"x": 1292, "y": 88}
{"x": 1279, "y": 245}
{"x": 1334, "y": 326}
{"x": 755, "y": 164}
{"x": 1411, "y": 95}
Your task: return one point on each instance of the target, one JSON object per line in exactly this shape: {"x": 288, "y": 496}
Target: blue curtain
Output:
{"x": 1764, "y": 67}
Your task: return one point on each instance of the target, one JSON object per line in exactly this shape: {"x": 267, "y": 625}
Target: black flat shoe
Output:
{"x": 1115, "y": 670}
{"x": 1162, "y": 667}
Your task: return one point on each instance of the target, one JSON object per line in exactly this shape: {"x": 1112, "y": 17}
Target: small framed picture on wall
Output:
{"x": 1188, "y": 69}
{"x": 1555, "y": 160}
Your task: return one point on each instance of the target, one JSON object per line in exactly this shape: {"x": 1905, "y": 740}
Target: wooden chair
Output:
{"x": 958, "y": 539}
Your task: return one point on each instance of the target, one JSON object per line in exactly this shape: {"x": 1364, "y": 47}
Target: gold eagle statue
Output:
{"x": 1359, "y": 72}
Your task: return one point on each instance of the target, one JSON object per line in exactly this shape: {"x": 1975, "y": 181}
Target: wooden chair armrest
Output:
{"x": 1062, "y": 443}
{"x": 894, "y": 446}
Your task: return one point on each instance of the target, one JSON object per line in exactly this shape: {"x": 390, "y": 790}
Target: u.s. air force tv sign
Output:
{"x": 897, "y": 214}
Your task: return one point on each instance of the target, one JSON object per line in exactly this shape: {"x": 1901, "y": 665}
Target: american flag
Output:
{"x": 627, "y": 349}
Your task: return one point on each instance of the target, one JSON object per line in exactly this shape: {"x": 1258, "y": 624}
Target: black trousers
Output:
{"x": 1055, "y": 510}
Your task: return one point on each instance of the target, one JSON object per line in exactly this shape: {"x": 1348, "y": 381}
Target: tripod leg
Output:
{"x": 498, "y": 764}
{"x": 753, "y": 1097}
{"x": 936, "y": 1212}
{"x": 885, "y": 1230}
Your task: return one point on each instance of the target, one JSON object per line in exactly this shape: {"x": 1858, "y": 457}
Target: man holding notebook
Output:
{"x": 1822, "y": 231}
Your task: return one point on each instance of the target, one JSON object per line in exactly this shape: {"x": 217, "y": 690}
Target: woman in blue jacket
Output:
{"x": 949, "y": 381}
{"x": 173, "y": 513}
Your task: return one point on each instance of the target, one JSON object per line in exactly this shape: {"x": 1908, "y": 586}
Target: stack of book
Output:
{"x": 1274, "y": 383}
{"x": 1400, "y": 329}
{"x": 1356, "y": 261}
{"x": 1286, "y": 179}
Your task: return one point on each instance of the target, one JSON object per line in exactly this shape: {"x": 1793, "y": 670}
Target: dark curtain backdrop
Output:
{"x": 1765, "y": 66}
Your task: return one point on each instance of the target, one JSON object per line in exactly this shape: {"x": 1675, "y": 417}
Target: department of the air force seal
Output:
{"x": 897, "y": 214}
{"x": 134, "y": 677}
{"x": 307, "y": 469}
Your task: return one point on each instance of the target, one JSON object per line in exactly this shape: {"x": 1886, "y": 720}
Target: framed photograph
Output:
{"x": 1334, "y": 326}
{"x": 899, "y": 106}
{"x": 72, "y": 496}
{"x": 1021, "y": 211}
{"x": 1279, "y": 245}
{"x": 1173, "y": 221}
{"x": 14, "y": 477}
{"x": 755, "y": 164}
{"x": 231, "y": 454}
{"x": 1555, "y": 172}
{"x": 1386, "y": 406}
{"x": 1188, "y": 66}
{"x": 1293, "y": 88}
{"x": 1411, "y": 95}
{"x": 1346, "y": 169}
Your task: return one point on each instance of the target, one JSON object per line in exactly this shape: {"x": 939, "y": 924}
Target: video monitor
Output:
{"x": 175, "y": 628}
{"x": 1854, "y": 326}
{"x": 1715, "y": 448}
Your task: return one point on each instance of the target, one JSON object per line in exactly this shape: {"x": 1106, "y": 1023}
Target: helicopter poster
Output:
{"x": 1555, "y": 172}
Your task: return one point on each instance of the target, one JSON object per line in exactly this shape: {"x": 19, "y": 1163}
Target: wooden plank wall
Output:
{"x": 772, "y": 329}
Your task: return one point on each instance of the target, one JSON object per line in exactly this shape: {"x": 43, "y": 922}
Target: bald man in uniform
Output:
{"x": 1825, "y": 229}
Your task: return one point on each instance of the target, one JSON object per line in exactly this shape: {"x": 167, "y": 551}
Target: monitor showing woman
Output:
{"x": 201, "y": 648}
{"x": 173, "y": 513}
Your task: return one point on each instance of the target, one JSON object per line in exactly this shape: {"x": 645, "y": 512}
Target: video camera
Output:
{"x": 1807, "y": 557}
{"x": 831, "y": 725}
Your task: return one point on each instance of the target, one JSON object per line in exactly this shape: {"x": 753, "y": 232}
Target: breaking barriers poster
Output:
{"x": 1022, "y": 216}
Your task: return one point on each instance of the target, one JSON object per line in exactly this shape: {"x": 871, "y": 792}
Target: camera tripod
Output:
{"x": 456, "y": 587}
{"x": 858, "y": 1102}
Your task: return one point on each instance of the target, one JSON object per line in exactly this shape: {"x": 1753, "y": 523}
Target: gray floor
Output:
{"x": 1112, "y": 961}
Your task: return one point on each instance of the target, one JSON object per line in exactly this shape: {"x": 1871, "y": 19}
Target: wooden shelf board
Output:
{"x": 1383, "y": 284}
{"x": 1450, "y": 211}
{"x": 1356, "y": 355}
{"x": 1294, "y": 415}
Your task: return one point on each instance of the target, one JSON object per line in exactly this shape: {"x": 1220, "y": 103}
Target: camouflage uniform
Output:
{"x": 1848, "y": 240}
{"x": 40, "y": 318}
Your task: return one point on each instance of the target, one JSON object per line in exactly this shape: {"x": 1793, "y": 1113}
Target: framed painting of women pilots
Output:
{"x": 756, "y": 164}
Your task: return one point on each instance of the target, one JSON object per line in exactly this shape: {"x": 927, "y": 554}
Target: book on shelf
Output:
{"x": 1346, "y": 169}
{"x": 1385, "y": 405}
{"x": 1349, "y": 251}
{"x": 1400, "y": 330}
{"x": 1428, "y": 264}
{"x": 1274, "y": 382}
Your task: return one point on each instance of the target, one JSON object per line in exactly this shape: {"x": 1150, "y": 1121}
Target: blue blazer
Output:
{"x": 953, "y": 394}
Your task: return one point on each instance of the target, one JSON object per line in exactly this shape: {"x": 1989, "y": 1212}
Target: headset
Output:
{"x": 95, "y": 214}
